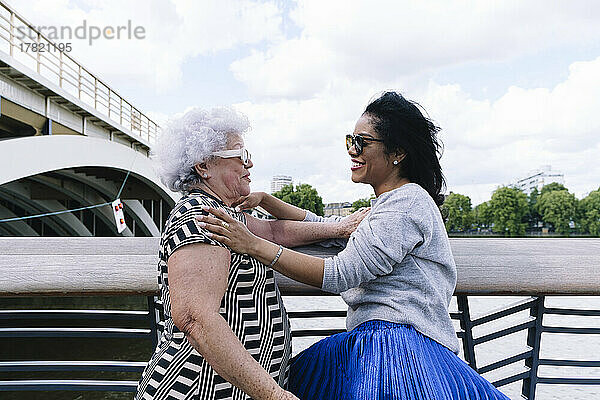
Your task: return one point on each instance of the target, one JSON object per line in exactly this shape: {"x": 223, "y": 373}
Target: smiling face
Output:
{"x": 373, "y": 166}
{"x": 228, "y": 178}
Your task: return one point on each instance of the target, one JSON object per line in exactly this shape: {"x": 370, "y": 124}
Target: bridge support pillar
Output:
{"x": 47, "y": 130}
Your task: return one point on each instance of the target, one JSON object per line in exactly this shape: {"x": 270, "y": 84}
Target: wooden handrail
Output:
{"x": 486, "y": 266}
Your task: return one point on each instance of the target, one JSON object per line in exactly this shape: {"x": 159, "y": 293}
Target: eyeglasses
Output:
{"x": 243, "y": 154}
{"x": 358, "y": 142}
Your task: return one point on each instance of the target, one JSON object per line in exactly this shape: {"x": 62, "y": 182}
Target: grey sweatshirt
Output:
{"x": 398, "y": 266}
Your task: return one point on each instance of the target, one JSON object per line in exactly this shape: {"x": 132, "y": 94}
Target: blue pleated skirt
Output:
{"x": 382, "y": 360}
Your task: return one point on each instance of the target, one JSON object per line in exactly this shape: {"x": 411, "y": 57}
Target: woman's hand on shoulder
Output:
{"x": 252, "y": 200}
{"x": 349, "y": 224}
{"x": 228, "y": 230}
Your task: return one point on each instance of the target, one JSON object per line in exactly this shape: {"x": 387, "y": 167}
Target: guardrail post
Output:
{"x": 12, "y": 34}
{"x": 95, "y": 93}
{"x": 467, "y": 326}
{"x": 60, "y": 70}
{"x": 534, "y": 335}
{"x": 39, "y": 54}
{"x": 79, "y": 82}
{"x": 153, "y": 317}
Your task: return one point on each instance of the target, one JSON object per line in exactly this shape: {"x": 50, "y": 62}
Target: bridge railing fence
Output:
{"x": 534, "y": 270}
{"x": 22, "y": 41}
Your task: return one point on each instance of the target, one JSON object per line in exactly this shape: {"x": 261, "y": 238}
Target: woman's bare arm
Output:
{"x": 198, "y": 276}
{"x": 298, "y": 266}
{"x": 294, "y": 233}
{"x": 277, "y": 208}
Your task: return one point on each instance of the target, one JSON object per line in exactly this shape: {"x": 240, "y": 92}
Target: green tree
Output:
{"x": 558, "y": 207}
{"x": 508, "y": 208}
{"x": 458, "y": 212}
{"x": 590, "y": 213}
{"x": 366, "y": 202}
{"x": 533, "y": 215}
{"x": 483, "y": 215}
{"x": 303, "y": 196}
{"x": 551, "y": 187}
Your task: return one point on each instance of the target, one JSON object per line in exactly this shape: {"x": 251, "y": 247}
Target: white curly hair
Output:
{"x": 190, "y": 140}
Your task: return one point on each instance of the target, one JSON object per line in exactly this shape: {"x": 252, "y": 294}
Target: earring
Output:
{"x": 395, "y": 162}
{"x": 205, "y": 175}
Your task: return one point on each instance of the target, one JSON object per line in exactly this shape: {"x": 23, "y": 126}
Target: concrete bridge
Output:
{"x": 67, "y": 140}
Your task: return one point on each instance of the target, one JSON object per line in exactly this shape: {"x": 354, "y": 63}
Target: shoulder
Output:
{"x": 409, "y": 207}
{"x": 190, "y": 205}
{"x": 410, "y": 199}
{"x": 183, "y": 228}
{"x": 186, "y": 210}
{"x": 193, "y": 203}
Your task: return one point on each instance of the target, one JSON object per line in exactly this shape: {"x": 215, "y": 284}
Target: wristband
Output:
{"x": 276, "y": 256}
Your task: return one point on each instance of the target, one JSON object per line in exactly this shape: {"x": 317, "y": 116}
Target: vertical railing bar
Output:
{"x": 534, "y": 336}
{"x": 79, "y": 81}
{"x": 39, "y": 53}
{"x": 12, "y": 32}
{"x": 121, "y": 110}
{"x": 152, "y": 209}
{"x": 60, "y": 71}
{"x": 153, "y": 317}
{"x": 138, "y": 119}
{"x": 466, "y": 324}
{"x": 109, "y": 96}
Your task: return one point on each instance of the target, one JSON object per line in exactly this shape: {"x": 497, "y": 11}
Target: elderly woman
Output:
{"x": 396, "y": 274}
{"x": 226, "y": 334}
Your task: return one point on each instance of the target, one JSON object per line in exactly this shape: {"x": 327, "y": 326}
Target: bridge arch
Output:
{"x": 57, "y": 172}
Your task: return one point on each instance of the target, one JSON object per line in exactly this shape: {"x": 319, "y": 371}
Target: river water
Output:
{"x": 554, "y": 346}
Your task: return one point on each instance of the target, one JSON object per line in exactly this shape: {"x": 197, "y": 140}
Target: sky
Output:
{"x": 514, "y": 85}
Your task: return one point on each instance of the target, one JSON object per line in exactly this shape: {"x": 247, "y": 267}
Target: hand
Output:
{"x": 349, "y": 224}
{"x": 252, "y": 200}
{"x": 228, "y": 230}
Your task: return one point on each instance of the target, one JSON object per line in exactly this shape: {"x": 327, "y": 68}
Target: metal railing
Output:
{"x": 79, "y": 328}
{"x": 57, "y": 66}
{"x": 485, "y": 266}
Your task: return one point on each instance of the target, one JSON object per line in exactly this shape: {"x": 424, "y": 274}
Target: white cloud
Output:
{"x": 310, "y": 89}
{"x": 386, "y": 40}
{"x": 487, "y": 143}
{"x": 293, "y": 69}
{"x": 497, "y": 142}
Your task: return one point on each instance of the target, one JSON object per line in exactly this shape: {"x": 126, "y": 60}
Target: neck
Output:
{"x": 389, "y": 185}
{"x": 228, "y": 202}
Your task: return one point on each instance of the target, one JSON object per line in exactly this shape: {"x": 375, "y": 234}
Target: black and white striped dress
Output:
{"x": 252, "y": 307}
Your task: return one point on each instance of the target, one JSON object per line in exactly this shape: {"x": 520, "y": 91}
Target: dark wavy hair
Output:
{"x": 404, "y": 129}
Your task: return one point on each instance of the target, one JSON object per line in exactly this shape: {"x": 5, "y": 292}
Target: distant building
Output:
{"x": 279, "y": 181}
{"x": 341, "y": 209}
{"x": 538, "y": 178}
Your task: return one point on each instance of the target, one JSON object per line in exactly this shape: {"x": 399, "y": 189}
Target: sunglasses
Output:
{"x": 358, "y": 142}
{"x": 243, "y": 154}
